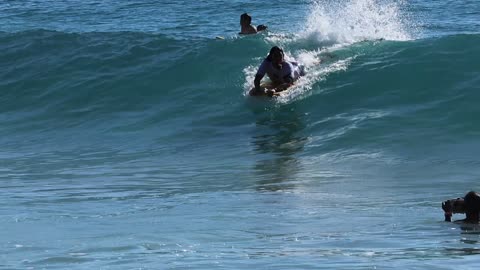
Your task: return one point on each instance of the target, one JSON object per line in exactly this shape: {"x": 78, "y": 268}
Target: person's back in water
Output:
{"x": 246, "y": 25}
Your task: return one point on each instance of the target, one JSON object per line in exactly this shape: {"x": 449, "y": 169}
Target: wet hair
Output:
{"x": 246, "y": 17}
{"x": 273, "y": 50}
{"x": 261, "y": 27}
{"x": 472, "y": 202}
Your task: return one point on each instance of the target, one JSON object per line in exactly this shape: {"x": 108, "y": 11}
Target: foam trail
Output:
{"x": 314, "y": 75}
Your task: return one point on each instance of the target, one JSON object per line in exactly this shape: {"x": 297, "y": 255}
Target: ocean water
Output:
{"x": 127, "y": 140}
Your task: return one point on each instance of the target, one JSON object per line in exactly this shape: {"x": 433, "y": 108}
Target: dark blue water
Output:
{"x": 127, "y": 140}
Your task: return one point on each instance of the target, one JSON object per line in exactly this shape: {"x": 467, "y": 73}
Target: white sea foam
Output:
{"x": 357, "y": 20}
{"x": 315, "y": 74}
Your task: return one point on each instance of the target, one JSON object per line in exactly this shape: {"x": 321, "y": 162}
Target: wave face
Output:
{"x": 54, "y": 80}
{"x": 128, "y": 140}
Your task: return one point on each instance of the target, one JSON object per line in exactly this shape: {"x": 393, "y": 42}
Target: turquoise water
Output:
{"x": 128, "y": 141}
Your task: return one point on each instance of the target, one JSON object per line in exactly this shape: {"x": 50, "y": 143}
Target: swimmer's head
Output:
{"x": 245, "y": 19}
{"x": 472, "y": 202}
{"x": 472, "y": 207}
{"x": 276, "y": 55}
{"x": 261, "y": 27}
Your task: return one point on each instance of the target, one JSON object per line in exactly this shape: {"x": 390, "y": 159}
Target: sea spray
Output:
{"x": 351, "y": 21}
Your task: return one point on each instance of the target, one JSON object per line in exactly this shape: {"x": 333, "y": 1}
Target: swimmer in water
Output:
{"x": 246, "y": 25}
{"x": 470, "y": 205}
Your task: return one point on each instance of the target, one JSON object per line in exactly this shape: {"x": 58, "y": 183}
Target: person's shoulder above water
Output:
{"x": 246, "y": 25}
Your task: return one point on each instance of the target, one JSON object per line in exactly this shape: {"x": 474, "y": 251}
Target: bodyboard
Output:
{"x": 267, "y": 86}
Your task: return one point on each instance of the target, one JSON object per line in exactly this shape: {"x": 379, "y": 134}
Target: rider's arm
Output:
{"x": 256, "y": 82}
